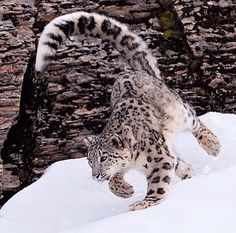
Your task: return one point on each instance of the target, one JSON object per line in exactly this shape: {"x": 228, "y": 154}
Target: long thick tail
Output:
{"x": 127, "y": 43}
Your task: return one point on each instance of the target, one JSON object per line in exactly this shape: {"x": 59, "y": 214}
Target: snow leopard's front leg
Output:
{"x": 159, "y": 177}
{"x": 183, "y": 170}
{"x": 120, "y": 187}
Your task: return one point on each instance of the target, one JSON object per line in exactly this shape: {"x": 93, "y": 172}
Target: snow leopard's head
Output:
{"x": 106, "y": 156}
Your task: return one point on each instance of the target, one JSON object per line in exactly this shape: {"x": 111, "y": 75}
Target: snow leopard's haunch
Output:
{"x": 131, "y": 46}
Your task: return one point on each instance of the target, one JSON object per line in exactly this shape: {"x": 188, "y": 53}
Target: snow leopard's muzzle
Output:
{"x": 100, "y": 176}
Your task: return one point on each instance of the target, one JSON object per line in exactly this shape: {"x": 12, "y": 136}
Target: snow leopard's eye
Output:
{"x": 103, "y": 159}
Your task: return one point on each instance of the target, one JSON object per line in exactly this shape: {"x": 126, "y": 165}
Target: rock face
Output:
{"x": 209, "y": 27}
{"x": 17, "y": 46}
{"x": 44, "y": 119}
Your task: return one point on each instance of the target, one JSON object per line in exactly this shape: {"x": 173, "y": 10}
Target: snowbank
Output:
{"x": 67, "y": 200}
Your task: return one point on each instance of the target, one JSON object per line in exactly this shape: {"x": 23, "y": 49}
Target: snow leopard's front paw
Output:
{"x": 120, "y": 187}
{"x": 139, "y": 205}
{"x": 183, "y": 170}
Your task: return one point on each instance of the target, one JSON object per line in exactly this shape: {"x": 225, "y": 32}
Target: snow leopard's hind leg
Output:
{"x": 208, "y": 141}
{"x": 205, "y": 137}
{"x": 159, "y": 175}
{"x": 120, "y": 187}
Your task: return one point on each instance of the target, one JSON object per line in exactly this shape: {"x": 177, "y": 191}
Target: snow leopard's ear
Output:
{"x": 116, "y": 141}
{"x": 88, "y": 140}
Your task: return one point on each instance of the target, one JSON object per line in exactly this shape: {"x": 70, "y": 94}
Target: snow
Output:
{"x": 67, "y": 200}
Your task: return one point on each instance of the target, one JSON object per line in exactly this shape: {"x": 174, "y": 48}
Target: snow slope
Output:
{"x": 67, "y": 200}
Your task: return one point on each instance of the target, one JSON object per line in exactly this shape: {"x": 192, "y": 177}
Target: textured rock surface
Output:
{"x": 194, "y": 42}
{"x": 17, "y": 44}
{"x": 209, "y": 27}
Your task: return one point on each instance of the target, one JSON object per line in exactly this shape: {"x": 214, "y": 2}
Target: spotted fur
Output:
{"x": 146, "y": 114}
{"x": 131, "y": 46}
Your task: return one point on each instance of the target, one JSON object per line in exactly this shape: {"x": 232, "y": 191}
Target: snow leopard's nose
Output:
{"x": 100, "y": 177}
{"x": 95, "y": 173}
{"x": 96, "y": 177}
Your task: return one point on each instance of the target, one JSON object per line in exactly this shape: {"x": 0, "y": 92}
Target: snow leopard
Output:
{"x": 146, "y": 114}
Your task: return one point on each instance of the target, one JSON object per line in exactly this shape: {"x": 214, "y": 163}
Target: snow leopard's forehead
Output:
{"x": 97, "y": 148}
